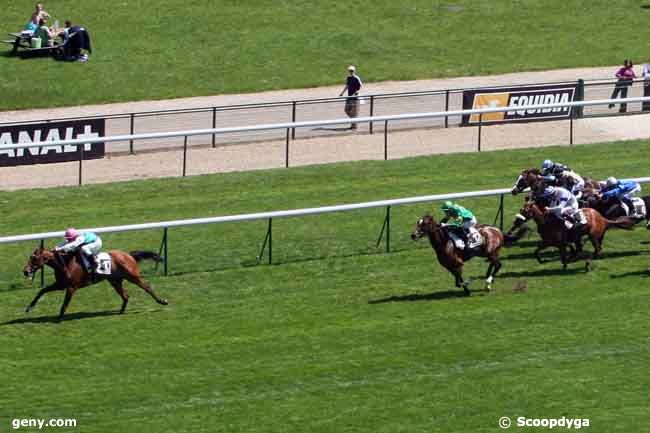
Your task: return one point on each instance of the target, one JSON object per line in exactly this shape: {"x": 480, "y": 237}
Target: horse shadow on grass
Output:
{"x": 642, "y": 273}
{"x": 543, "y": 272}
{"x": 68, "y": 317}
{"x": 435, "y": 296}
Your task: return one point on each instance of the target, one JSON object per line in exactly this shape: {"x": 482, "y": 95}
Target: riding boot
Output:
{"x": 630, "y": 205}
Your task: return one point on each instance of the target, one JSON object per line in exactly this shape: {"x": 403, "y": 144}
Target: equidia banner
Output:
{"x": 516, "y": 97}
{"x": 53, "y": 131}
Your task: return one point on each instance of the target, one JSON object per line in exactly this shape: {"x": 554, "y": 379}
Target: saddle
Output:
{"x": 474, "y": 239}
{"x": 638, "y": 208}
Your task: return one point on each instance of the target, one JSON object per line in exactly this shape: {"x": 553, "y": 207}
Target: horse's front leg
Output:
{"x": 540, "y": 247}
{"x": 44, "y": 290}
{"x": 66, "y": 301}
{"x": 458, "y": 274}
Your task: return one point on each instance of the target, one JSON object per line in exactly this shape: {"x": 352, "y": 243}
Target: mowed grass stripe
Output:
{"x": 305, "y": 344}
{"x": 195, "y": 48}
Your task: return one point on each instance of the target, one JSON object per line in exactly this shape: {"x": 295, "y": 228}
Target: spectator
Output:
{"x": 44, "y": 33}
{"x": 646, "y": 85}
{"x": 32, "y": 25}
{"x": 352, "y": 85}
{"x": 625, "y": 77}
{"x": 76, "y": 39}
{"x": 39, "y": 12}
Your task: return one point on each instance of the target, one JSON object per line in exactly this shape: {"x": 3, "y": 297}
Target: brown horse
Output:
{"x": 554, "y": 233}
{"x": 453, "y": 259}
{"x": 71, "y": 276}
{"x": 529, "y": 177}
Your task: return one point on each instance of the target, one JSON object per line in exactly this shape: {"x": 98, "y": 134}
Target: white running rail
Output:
{"x": 274, "y": 214}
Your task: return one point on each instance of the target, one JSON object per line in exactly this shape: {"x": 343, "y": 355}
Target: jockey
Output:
{"x": 461, "y": 219}
{"x": 620, "y": 190}
{"x": 568, "y": 179}
{"x": 563, "y": 204}
{"x": 553, "y": 168}
{"x": 89, "y": 244}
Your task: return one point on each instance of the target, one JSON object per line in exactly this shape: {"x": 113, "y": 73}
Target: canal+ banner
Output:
{"x": 51, "y": 131}
{"x": 517, "y": 97}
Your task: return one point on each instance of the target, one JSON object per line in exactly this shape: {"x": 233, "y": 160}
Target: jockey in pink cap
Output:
{"x": 89, "y": 244}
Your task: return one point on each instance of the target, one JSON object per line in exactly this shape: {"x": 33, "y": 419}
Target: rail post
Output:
{"x": 385, "y": 227}
{"x": 447, "y": 108}
{"x": 214, "y": 126}
{"x": 372, "y": 111}
{"x": 267, "y": 239}
{"x": 132, "y": 129}
{"x": 501, "y": 212}
{"x": 386, "y": 140}
{"x": 43, "y": 267}
{"x": 571, "y": 130}
{"x": 293, "y": 119}
{"x": 480, "y": 126}
{"x": 499, "y": 215}
{"x": 286, "y": 150}
{"x": 580, "y": 97}
{"x": 185, "y": 156}
{"x": 81, "y": 163}
{"x": 162, "y": 251}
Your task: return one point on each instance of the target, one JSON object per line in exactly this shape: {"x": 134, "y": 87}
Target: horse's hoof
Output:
{"x": 28, "y": 309}
{"x": 488, "y": 287}
{"x": 163, "y": 302}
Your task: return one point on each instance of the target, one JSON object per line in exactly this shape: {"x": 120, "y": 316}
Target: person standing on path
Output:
{"x": 352, "y": 85}
{"x": 625, "y": 77}
{"x": 646, "y": 86}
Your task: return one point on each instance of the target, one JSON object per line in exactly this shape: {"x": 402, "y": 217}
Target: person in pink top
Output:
{"x": 625, "y": 77}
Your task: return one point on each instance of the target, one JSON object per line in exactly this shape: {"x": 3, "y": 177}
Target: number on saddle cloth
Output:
{"x": 103, "y": 264}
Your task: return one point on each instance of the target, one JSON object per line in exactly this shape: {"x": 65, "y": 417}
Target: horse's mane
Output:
{"x": 532, "y": 170}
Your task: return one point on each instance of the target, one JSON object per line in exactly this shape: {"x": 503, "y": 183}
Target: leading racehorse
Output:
{"x": 70, "y": 274}
{"x": 453, "y": 259}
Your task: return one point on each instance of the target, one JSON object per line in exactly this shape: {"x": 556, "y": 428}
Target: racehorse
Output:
{"x": 70, "y": 274}
{"x": 612, "y": 208}
{"x": 529, "y": 177}
{"x": 453, "y": 259}
{"x": 554, "y": 232}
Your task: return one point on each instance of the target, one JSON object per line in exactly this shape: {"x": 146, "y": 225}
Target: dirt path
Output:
{"x": 340, "y": 146}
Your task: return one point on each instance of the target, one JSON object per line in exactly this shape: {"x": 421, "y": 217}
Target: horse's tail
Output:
{"x": 625, "y": 223}
{"x": 146, "y": 255}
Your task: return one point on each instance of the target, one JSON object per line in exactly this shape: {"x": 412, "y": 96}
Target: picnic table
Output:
{"x": 24, "y": 41}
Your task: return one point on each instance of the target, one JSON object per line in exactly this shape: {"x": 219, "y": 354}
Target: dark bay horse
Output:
{"x": 453, "y": 259}
{"x": 529, "y": 177}
{"x": 71, "y": 276}
{"x": 554, "y": 233}
{"x": 532, "y": 179}
{"x": 612, "y": 208}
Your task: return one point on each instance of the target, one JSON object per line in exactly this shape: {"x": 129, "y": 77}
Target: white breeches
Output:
{"x": 469, "y": 224}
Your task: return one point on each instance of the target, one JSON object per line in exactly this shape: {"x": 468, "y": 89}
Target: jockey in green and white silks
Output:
{"x": 458, "y": 217}
{"x": 88, "y": 242}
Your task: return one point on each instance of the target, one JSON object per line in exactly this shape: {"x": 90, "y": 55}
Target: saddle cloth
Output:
{"x": 104, "y": 264}
{"x": 474, "y": 239}
{"x": 639, "y": 208}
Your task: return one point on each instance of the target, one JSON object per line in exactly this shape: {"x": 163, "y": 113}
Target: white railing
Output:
{"x": 275, "y": 214}
{"x": 334, "y": 122}
{"x": 264, "y": 215}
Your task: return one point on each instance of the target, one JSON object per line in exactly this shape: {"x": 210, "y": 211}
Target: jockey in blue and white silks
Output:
{"x": 88, "y": 242}
{"x": 563, "y": 204}
{"x": 568, "y": 179}
{"x": 552, "y": 168}
{"x": 621, "y": 190}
